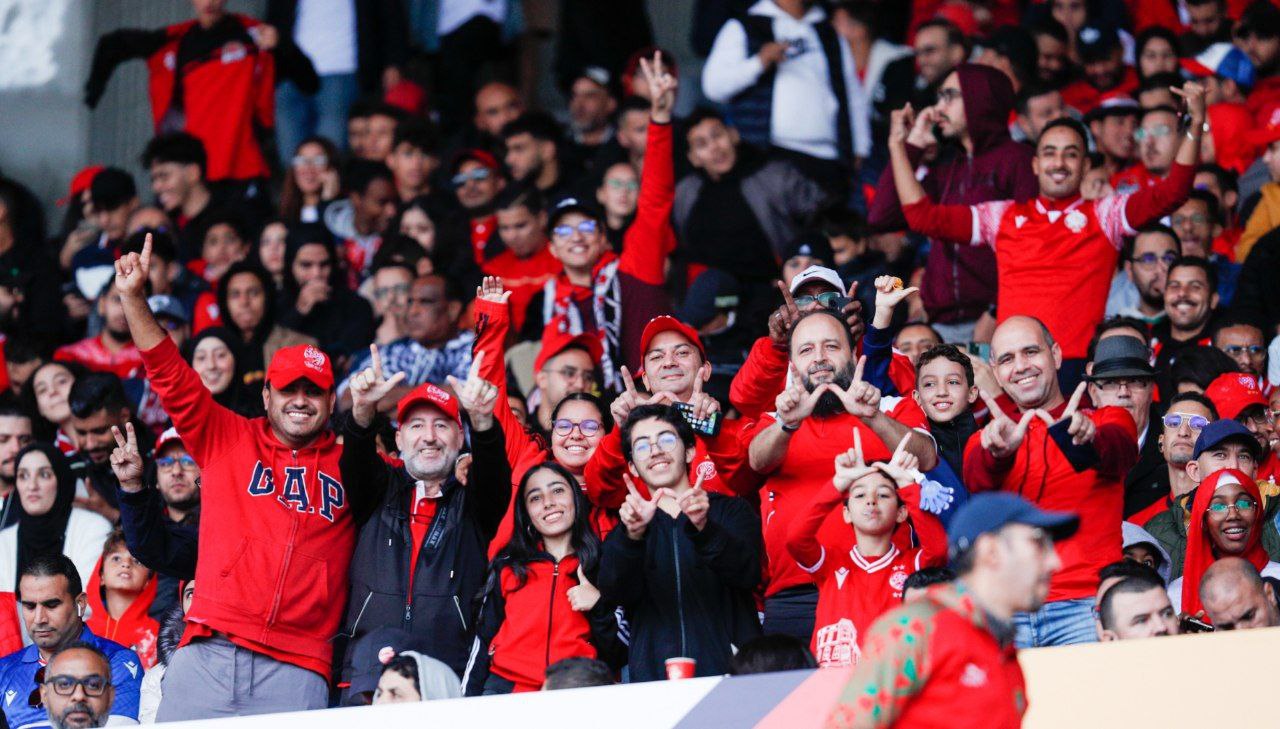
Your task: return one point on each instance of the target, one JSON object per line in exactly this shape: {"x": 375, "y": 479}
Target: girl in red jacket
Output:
{"x": 539, "y": 605}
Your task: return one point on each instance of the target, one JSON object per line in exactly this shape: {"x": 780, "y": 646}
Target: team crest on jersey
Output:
{"x": 1076, "y": 221}
{"x": 897, "y": 580}
{"x": 706, "y": 470}
{"x": 313, "y": 358}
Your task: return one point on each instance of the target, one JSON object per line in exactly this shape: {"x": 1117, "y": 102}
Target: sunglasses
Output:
{"x": 1195, "y": 422}
{"x": 564, "y": 426}
{"x": 586, "y": 227}
{"x": 479, "y": 174}
{"x": 827, "y": 299}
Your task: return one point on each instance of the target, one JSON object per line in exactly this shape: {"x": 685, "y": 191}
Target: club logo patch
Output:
{"x": 313, "y": 358}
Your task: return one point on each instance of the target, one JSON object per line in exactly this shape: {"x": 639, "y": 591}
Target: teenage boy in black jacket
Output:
{"x": 682, "y": 563}
{"x": 421, "y": 557}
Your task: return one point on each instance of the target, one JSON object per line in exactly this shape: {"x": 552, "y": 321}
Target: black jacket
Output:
{"x": 382, "y": 37}
{"x": 1148, "y": 481}
{"x": 1257, "y": 297}
{"x": 448, "y": 576}
{"x": 686, "y": 592}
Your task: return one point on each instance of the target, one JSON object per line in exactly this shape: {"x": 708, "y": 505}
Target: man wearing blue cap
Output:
{"x": 948, "y": 658}
{"x": 1221, "y": 444}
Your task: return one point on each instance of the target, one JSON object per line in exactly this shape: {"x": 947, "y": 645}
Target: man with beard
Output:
{"x": 1102, "y": 55}
{"x": 1083, "y": 237}
{"x": 1053, "y": 60}
{"x": 477, "y": 179}
{"x": 422, "y": 554}
{"x": 15, "y": 434}
{"x": 1235, "y": 596}
{"x": 795, "y": 448}
{"x": 98, "y": 404}
{"x": 1190, "y": 297}
{"x": 1244, "y": 342}
{"x": 1058, "y": 457}
{"x": 978, "y": 163}
{"x": 272, "y": 505}
{"x": 1158, "y": 144}
{"x": 1258, "y": 35}
{"x": 78, "y": 692}
{"x": 161, "y": 525}
{"x": 1187, "y": 414}
{"x": 112, "y": 350}
{"x": 1112, "y": 123}
{"x": 533, "y": 156}
{"x": 1146, "y": 269}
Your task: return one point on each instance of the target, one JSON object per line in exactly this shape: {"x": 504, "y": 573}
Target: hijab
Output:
{"x": 235, "y": 397}
{"x": 1200, "y": 546}
{"x": 46, "y": 533}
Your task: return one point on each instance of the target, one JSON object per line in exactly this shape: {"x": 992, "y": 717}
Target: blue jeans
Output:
{"x": 299, "y": 116}
{"x": 1065, "y": 622}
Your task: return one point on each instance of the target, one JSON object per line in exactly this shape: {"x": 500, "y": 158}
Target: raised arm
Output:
{"x": 157, "y": 542}
{"x": 650, "y": 238}
{"x": 115, "y": 48}
{"x": 802, "y": 537}
{"x": 947, "y": 223}
{"x": 1151, "y": 203}
{"x": 492, "y": 314}
{"x": 489, "y": 481}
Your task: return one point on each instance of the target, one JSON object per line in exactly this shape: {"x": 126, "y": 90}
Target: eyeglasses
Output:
{"x": 1131, "y": 383}
{"x": 948, "y": 95}
{"x": 393, "y": 290}
{"x": 828, "y": 299}
{"x": 186, "y": 462}
{"x": 94, "y": 685}
{"x": 642, "y": 449}
{"x": 628, "y": 185}
{"x": 586, "y": 227}
{"x": 565, "y": 426}
{"x": 1241, "y": 504}
{"x": 1156, "y": 132}
{"x": 1236, "y": 350}
{"x": 312, "y": 160}
{"x": 573, "y": 373}
{"x": 479, "y": 174}
{"x": 1151, "y": 259}
{"x": 1196, "y": 218}
{"x": 1175, "y": 420}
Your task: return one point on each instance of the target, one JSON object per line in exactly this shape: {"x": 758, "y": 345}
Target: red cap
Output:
{"x": 407, "y": 96}
{"x": 555, "y": 341}
{"x": 428, "y": 394}
{"x": 300, "y": 362}
{"x": 166, "y": 438}
{"x": 1233, "y": 392}
{"x": 1269, "y": 130}
{"x": 478, "y": 155}
{"x": 81, "y": 182}
{"x": 665, "y": 323}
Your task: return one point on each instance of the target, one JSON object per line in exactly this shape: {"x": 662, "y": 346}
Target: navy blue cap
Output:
{"x": 985, "y": 513}
{"x": 1096, "y": 42}
{"x": 1220, "y": 431}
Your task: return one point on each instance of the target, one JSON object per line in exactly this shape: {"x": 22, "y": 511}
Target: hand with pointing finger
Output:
{"x": 704, "y": 406}
{"x": 695, "y": 503}
{"x": 1082, "y": 429}
{"x": 133, "y": 270}
{"x": 636, "y": 511}
{"x": 126, "y": 461}
{"x": 584, "y": 595}
{"x": 795, "y": 403}
{"x": 369, "y": 387}
{"x": 903, "y": 467}
{"x": 850, "y": 465}
{"x": 862, "y": 399}
{"x": 781, "y": 321}
{"x": 1002, "y": 437}
{"x": 477, "y": 395}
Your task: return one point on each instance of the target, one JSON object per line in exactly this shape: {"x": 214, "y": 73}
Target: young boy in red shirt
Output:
{"x": 857, "y": 586}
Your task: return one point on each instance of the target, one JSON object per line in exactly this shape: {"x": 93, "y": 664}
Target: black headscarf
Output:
{"x": 44, "y": 534}
{"x": 235, "y": 397}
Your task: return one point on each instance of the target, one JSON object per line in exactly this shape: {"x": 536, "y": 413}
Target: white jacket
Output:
{"x": 85, "y": 535}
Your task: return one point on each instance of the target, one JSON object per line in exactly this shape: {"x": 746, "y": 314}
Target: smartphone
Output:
{"x": 708, "y": 426}
{"x": 981, "y": 350}
{"x": 1192, "y": 625}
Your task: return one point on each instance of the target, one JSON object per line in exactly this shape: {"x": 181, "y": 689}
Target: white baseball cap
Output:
{"x": 819, "y": 273}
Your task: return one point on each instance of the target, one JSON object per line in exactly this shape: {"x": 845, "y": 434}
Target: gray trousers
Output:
{"x": 215, "y": 678}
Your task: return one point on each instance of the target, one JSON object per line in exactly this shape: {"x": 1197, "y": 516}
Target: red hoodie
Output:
{"x": 541, "y": 627}
{"x": 276, "y": 525}
{"x": 135, "y": 629}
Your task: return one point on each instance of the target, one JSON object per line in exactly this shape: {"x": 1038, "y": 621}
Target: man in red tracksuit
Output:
{"x": 1058, "y": 457}
{"x": 277, "y": 528}
{"x": 947, "y": 658}
{"x": 213, "y": 77}
{"x": 1056, "y": 254}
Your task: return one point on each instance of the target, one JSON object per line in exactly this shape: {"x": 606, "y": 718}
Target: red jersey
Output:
{"x": 854, "y": 590}
{"x": 93, "y": 354}
{"x": 1040, "y": 473}
{"x": 523, "y": 277}
{"x": 224, "y": 94}
{"x": 1084, "y": 96}
{"x": 1055, "y": 258}
{"x": 1132, "y": 178}
{"x": 805, "y": 470}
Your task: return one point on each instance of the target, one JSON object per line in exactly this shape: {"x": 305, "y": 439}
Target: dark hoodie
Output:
{"x": 960, "y": 281}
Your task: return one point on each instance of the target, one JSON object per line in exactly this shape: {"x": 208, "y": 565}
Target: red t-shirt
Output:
{"x": 93, "y": 354}
{"x": 807, "y": 467}
{"x": 424, "y": 512}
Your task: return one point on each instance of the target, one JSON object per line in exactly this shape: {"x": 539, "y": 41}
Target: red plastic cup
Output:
{"x": 681, "y": 667}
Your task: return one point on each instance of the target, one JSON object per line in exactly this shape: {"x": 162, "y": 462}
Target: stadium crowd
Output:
{"x": 936, "y": 330}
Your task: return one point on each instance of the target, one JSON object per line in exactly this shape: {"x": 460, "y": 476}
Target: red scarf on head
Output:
{"x": 1200, "y": 547}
